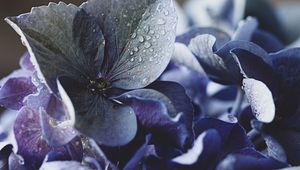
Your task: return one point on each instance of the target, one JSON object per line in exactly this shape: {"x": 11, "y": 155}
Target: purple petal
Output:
{"x": 16, "y": 162}
{"x": 31, "y": 145}
{"x": 267, "y": 41}
{"x": 62, "y": 165}
{"x": 139, "y": 154}
{"x": 25, "y": 62}
{"x": 14, "y": 91}
{"x": 256, "y": 67}
{"x": 193, "y": 82}
{"x": 4, "y": 156}
{"x": 153, "y": 117}
{"x": 233, "y": 136}
{"x": 249, "y": 159}
{"x": 245, "y": 29}
{"x": 221, "y": 37}
{"x": 203, "y": 154}
{"x": 180, "y": 100}
{"x": 289, "y": 139}
{"x": 54, "y": 132}
{"x": 48, "y": 101}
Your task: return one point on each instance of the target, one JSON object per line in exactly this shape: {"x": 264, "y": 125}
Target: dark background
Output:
{"x": 11, "y": 47}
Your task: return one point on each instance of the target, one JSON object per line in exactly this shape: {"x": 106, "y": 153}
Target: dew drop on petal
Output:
{"x": 141, "y": 39}
{"x": 135, "y": 49}
{"x": 133, "y": 35}
{"x": 147, "y": 45}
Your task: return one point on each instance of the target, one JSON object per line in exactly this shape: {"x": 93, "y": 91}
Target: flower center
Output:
{"x": 98, "y": 85}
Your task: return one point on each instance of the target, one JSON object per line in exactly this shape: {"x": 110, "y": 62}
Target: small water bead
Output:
{"x": 141, "y": 39}
{"x": 140, "y": 59}
{"x": 161, "y": 21}
{"x": 166, "y": 13}
{"x": 151, "y": 50}
{"x": 145, "y": 81}
{"x": 135, "y": 49}
{"x": 163, "y": 32}
{"x": 147, "y": 45}
{"x": 132, "y": 59}
{"x": 146, "y": 28}
{"x": 148, "y": 37}
{"x": 151, "y": 59}
{"x": 151, "y": 32}
{"x": 131, "y": 53}
{"x": 133, "y": 35}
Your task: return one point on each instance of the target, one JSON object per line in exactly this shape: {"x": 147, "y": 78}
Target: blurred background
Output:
{"x": 11, "y": 47}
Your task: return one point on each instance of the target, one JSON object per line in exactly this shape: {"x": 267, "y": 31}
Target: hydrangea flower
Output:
{"x": 83, "y": 53}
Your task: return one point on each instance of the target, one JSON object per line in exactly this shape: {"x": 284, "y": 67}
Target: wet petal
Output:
{"x": 14, "y": 91}
{"x": 253, "y": 66}
{"x": 108, "y": 122}
{"x": 147, "y": 54}
{"x": 31, "y": 145}
{"x": 260, "y": 98}
{"x": 55, "y": 38}
{"x": 56, "y": 133}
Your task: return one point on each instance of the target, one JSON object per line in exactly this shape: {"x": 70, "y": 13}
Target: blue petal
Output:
{"x": 14, "y": 91}
{"x": 249, "y": 159}
{"x": 31, "y": 145}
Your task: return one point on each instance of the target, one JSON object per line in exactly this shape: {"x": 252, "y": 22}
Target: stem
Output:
{"x": 238, "y": 102}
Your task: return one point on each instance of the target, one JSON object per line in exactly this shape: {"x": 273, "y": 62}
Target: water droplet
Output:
{"x": 131, "y": 53}
{"x": 166, "y": 13}
{"x": 151, "y": 59}
{"x": 151, "y": 32}
{"x": 124, "y": 16}
{"x": 132, "y": 59}
{"x": 151, "y": 50}
{"x": 145, "y": 81}
{"x": 133, "y": 35}
{"x": 141, "y": 39}
{"x": 147, "y": 45}
{"x": 135, "y": 49}
{"x": 163, "y": 32}
{"x": 161, "y": 21}
{"x": 146, "y": 28}
{"x": 140, "y": 59}
{"x": 94, "y": 30}
{"x": 148, "y": 37}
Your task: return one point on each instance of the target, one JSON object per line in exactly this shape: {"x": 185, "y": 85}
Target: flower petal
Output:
{"x": 267, "y": 41}
{"x": 221, "y": 37}
{"x": 14, "y": 91}
{"x": 62, "y": 165}
{"x": 56, "y": 36}
{"x": 54, "y": 132}
{"x": 260, "y": 99}
{"x": 31, "y": 145}
{"x": 149, "y": 51}
{"x": 108, "y": 122}
{"x": 249, "y": 159}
